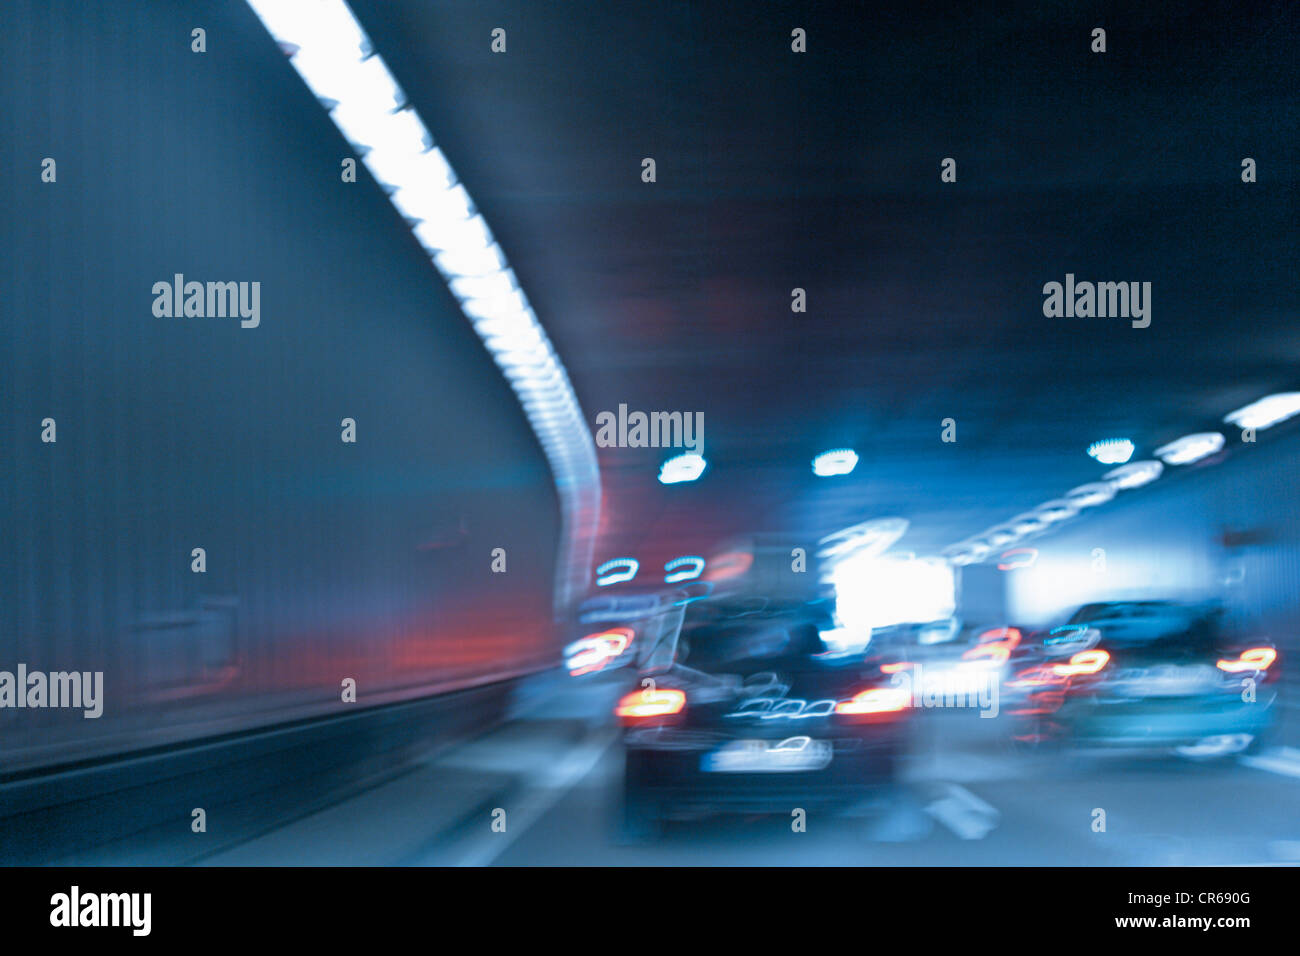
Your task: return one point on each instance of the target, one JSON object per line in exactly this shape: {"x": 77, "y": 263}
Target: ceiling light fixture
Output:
{"x": 837, "y": 461}
{"x": 1190, "y": 448}
{"x": 1111, "y": 451}
{"x": 1266, "y": 412}
{"x": 1136, "y": 475}
{"x": 681, "y": 468}
{"x": 331, "y": 52}
{"x": 1091, "y": 495}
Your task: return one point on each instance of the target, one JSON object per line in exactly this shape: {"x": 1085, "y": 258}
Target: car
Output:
{"x": 1143, "y": 675}
{"x": 744, "y": 708}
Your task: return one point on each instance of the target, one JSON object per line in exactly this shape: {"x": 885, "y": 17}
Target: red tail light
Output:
{"x": 1084, "y": 662}
{"x": 1001, "y": 635}
{"x": 594, "y": 651}
{"x": 1035, "y": 676}
{"x": 876, "y": 700}
{"x": 642, "y": 704}
{"x": 996, "y": 644}
{"x": 1254, "y": 659}
{"x": 994, "y": 650}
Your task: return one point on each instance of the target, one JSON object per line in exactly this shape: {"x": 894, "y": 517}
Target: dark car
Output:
{"x": 1153, "y": 675}
{"x": 746, "y": 710}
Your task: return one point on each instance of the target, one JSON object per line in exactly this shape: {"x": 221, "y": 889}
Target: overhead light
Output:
{"x": 1190, "y": 448}
{"x": 616, "y": 571}
{"x": 1135, "y": 475}
{"x": 326, "y": 25}
{"x": 1111, "y": 451}
{"x": 1090, "y": 495}
{"x": 1266, "y": 412}
{"x": 337, "y": 60}
{"x": 968, "y": 552}
{"x": 1058, "y": 510}
{"x": 691, "y": 566}
{"x": 838, "y": 461}
{"x": 875, "y": 591}
{"x": 405, "y": 160}
{"x": 1027, "y": 523}
{"x": 1000, "y": 537}
{"x": 870, "y": 537}
{"x": 681, "y": 468}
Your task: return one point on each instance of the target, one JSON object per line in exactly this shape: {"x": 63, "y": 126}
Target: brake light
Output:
{"x": 594, "y": 651}
{"x": 876, "y": 700}
{"x": 895, "y": 668}
{"x": 1001, "y": 635}
{"x": 994, "y": 650}
{"x": 660, "y": 702}
{"x": 1254, "y": 659}
{"x": 1084, "y": 662}
{"x": 1033, "y": 677}
{"x": 996, "y": 644}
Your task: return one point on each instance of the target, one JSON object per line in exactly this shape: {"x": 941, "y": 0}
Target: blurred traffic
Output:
{"x": 658, "y": 440}
{"x": 773, "y": 684}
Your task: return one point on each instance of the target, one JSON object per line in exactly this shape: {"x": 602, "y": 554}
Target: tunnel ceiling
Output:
{"x": 821, "y": 171}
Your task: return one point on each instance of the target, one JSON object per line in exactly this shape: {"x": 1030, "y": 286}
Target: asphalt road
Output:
{"x": 538, "y": 791}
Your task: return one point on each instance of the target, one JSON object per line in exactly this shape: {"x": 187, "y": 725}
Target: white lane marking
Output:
{"x": 1283, "y": 760}
{"x": 540, "y": 794}
{"x": 964, "y": 813}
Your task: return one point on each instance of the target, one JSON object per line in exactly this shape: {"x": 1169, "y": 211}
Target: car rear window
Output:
{"x": 1140, "y": 624}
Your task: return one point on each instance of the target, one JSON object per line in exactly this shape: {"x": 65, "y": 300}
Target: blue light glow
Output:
{"x": 1112, "y": 451}
{"x": 616, "y": 571}
{"x": 837, "y": 461}
{"x": 692, "y": 566}
{"x": 1135, "y": 475}
{"x": 686, "y": 467}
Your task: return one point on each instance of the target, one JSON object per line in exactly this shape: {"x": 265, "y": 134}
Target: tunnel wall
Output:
{"x": 325, "y": 559}
{"x": 1226, "y": 529}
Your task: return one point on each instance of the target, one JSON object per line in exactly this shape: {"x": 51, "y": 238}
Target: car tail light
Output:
{"x": 995, "y": 651}
{"x": 895, "y": 667}
{"x": 1254, "y": 659}
{"x": 875, "y": 700}
{"x": 1036, "y": 676}
{"x": 648, "y": 703}
{"x": 1084, "y": 662}
{"x": 594, "y": 651}
{"x": 996, "y": 645}
{"x": 1001, "y": 635}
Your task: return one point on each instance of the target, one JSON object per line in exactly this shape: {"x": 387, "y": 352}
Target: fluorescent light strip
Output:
{"x": 1190, "y": 448}
{"x": 1058, "y": 510}
{"x": 1267, "y": 411}
{"x": 1134, "y": 475}
{"x": 335, "y": 58}
{"x": 1264, "y": 413}
{"x": 1091, "y": 495}
{"x": 1028, "y": 523}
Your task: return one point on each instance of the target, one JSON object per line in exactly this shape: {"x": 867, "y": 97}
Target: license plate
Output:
{"x": 769, "y": 756}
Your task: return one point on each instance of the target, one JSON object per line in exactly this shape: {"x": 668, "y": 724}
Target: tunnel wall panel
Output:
{"x": 325, "y": 559}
